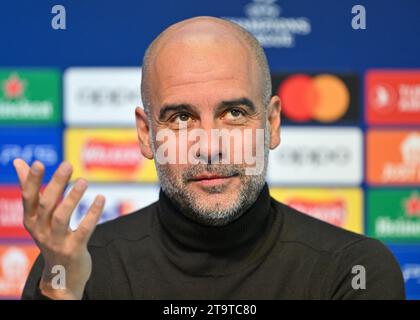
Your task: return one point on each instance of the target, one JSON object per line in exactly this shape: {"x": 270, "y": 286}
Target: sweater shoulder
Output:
{"x": 313, "y": 233}
{"x": 131, "y": 227}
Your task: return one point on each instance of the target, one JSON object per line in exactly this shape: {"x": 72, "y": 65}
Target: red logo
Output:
{"x": 393, "y": 97}
{"x": 412, "y": 205}
{"x": 13, "y": 87}
{"x": 106, "y": 155}
{"x": 15, "y": 263}
{"x": 383, "y": 98}
{"x": 333, "y": 212}
{"x": 11, "y": 213}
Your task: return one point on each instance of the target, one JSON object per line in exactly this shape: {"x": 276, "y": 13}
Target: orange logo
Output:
{"x": 15, "y": 263}
{"x": 393, "y": 157}
{"x": 324, "y": 97}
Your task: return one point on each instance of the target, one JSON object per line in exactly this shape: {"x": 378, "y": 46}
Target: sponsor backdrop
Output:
{"x": 350, "y": 151}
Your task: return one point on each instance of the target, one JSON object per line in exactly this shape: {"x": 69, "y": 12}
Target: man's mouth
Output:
{"x": 209, "y": 179}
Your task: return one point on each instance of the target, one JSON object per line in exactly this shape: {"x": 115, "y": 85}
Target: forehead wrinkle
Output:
{"x": 193, "y": 82}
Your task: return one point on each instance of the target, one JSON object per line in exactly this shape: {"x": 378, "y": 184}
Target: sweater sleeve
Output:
{"x": 367, "y": 270}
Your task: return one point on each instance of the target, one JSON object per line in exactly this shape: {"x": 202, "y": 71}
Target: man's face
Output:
{"x": 208, "y": 84}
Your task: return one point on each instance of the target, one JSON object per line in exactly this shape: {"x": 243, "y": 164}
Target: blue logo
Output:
{"x": 30, "y": 144}
{"x": 408, "y": 257}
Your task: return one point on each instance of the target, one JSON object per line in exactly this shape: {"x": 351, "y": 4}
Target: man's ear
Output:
{"x": 143, "y": 133}
{"x": 274, "y": 119}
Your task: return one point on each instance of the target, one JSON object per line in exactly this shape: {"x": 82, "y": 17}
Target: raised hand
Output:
{"x": 47, "y": 220}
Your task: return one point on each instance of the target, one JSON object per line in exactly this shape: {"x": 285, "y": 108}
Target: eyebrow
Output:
{"x": 185, "y": 107}
{"x": 182, "y": 107}
{"x": 238, "y": 102}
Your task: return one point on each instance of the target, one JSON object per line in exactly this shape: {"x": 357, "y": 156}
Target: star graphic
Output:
{"x": 13, "y": 87}
{"x": 412, "y": 205}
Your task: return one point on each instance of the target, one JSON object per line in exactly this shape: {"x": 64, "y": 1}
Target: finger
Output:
{"x": 22, "y": 170}
{"x": 53, "y": 192}
{"x": 88, "y": 224}
{"x": 61, "y": 217}
{"x": 31, "y": 187}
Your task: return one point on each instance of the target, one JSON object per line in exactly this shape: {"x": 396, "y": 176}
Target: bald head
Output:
{"x": 205, "y": 40}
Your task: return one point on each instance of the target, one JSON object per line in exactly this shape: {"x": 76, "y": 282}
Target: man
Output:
{"x": 215, "y": 233}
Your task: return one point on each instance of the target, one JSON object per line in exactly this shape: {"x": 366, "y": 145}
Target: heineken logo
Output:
{"x": 394, "y": 214}
{"x": 29, "y": 96}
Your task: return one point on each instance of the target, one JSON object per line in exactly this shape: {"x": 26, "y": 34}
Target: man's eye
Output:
{"x": 182, "y": 117}
{"x": 234, "y": 114}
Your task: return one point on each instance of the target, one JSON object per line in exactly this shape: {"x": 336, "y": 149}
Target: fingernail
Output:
{"x": 99, "y": 201}
{"x": 80, "y": 185}
{"x": 36, "y": 167}
{"x": 66, "y": 168}
{"x": 14, "y": 162}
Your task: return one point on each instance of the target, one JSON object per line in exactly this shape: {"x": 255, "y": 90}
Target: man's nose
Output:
{"x": 210, "y": 149}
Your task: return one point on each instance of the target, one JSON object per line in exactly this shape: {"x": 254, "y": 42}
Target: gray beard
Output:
{"x": 221, "y": 213}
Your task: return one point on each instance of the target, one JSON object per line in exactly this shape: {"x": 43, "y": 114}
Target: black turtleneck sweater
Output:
{"x": 271, "y": 252}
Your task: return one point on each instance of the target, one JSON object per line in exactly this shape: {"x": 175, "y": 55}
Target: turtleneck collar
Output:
{"x": 193, "y": 236}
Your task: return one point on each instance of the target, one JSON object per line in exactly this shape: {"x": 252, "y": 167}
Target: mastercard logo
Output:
{"x": 323, "y": 97}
